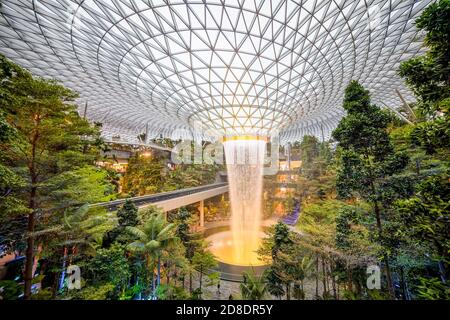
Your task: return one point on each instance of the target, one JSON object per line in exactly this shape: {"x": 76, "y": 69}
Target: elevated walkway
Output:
{"x": 170, "y": 200}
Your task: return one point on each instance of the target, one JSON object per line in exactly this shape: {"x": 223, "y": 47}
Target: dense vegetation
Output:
{"x": 390, "y": 206}
{"x": 376, "y": 195}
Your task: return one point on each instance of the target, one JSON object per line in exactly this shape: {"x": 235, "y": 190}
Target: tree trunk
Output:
{"x": 158, "y": 279}
{"x": 402, "y": 275}
{"x": 386, "y": 260}
{"x": 288, "y": 291}
{"x": 324, "y": 280}
{"x": 29, "y": 255}
{"x": 333, "y": 281}
{"x": 350, "y": 279}
{"x": 338, "y": 290}
{"x": 317, "y": 276}
{"x": 32, "y": 205}
{"x": 54, "y": 284}
{"x": 201, "y": 277}
{"x": 303, "y": 289}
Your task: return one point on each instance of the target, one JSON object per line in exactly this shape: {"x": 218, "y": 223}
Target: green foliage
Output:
{"x": 127, "y": 217}
{"x": 253, "y": 287}
{"x": 153, "y": 237}
{"x": 204, "y": 260}
{"x": 86, "y": 184}
{"x": 434, "y": 135}
{"x": 50, "y": 144}
{"x": 128, "y": 214}
{"x": 429, "y": 78}
{"x": 43, "y": 294}
{"x": 144, "y": 175}
{"x": 429, "y": 75}
{"x": 10, "y": 290}
{"x": 131, "y": 292}
{"x": 110, "y": 266}
{"x": 148, "y": 174}
{"x": 315, "y": 157}
{"x": 186, "y": 176}
{"x": 367, "y": 158}
{"x": 170, "y": 292}
{"x": 433, "y": 289}
{"x": 150, "y": 211}
{"x": 280, "y": 238}
{"x": 196, "y": 294}
{"x": 100, "y": 292}
{"x": 274, "y": 283}
{"x": 317, "y": 221}
{"x": 426, "y": 216}
{"x": 10, "y": 184}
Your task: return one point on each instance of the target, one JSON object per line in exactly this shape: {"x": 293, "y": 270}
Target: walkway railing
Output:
{"x": 157, "y": 197}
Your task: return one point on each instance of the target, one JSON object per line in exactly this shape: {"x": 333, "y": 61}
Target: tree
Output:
{"x": 191, "y": 242}
{"x": 52, "y": 138}
{"x": 190, "y": 175}
{"x": 428, "y": 76}
{"x": 367, "y": 157}
{"x": 315, "y": 157}
{"x": 153, "y": 238}
{"x": 304, "y": 269}
{"x": 424, "y": 219}
{"x": 280, "y": 238}
{"x": 12, "y": 207}
{"x": 127, "y": 217}
{"x": 203, "y": 261}
{"x": 73, "y": 229}
{"x": 253, "y": 287}
{"x": 128, "y": 214}
{"x": 109, "y": 266}
{"x": 274, "y": 283}
{"x": 275, "y": 250}
{"x": 145, "y": 175}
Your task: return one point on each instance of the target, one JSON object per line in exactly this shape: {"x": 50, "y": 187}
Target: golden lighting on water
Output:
{"x": 224, "y": 248}
{"x": 245, "y": 165}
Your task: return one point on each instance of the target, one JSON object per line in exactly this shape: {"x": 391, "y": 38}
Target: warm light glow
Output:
{"x": 245, "y": 164}
{"x": 244, "y": 137}
{"x": 237, "y": 67}
{"x": 224, "y": 248}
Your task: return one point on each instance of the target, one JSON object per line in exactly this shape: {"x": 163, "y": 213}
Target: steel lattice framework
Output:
{"x": 237, "y": 67}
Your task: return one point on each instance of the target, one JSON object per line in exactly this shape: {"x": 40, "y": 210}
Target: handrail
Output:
{"x": 158, "y": 196}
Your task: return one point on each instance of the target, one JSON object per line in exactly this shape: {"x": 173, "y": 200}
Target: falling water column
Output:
{"x": 245, "y": 165}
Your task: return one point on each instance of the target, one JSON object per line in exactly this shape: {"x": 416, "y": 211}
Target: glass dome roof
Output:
{"x": 237, "y": 67}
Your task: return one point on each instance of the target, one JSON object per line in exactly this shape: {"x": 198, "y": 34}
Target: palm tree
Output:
{"x": 79, "y": 227}
{"x": 153, "y": 238}
{"x": 253, "y": 287}
{"x": 304, "y": 269}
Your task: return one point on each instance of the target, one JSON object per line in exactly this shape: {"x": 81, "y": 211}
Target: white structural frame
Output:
{"x": 234, "y": 67}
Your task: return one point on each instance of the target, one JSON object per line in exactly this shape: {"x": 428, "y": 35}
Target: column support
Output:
{"x": 201, "y": 209}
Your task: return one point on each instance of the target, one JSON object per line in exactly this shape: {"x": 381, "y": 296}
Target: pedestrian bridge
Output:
{"x": 171, "y": 200}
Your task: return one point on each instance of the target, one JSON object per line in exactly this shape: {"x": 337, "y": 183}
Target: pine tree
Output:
{"x": 367, "y": 156}
{"x": 51, "y": 140}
